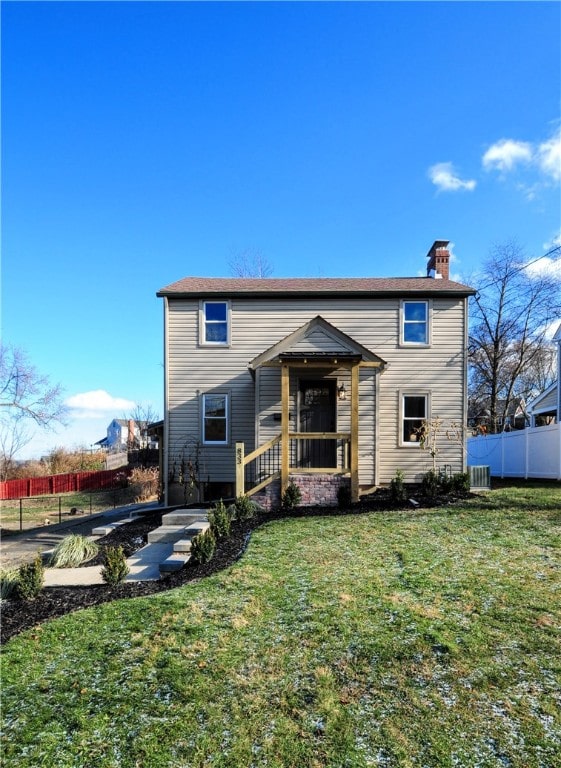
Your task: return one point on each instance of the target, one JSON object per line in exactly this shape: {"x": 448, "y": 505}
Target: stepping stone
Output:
{"x": 103, "y": 530}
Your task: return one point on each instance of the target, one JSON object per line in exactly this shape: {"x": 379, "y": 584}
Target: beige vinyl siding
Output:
{"x": 549, "y": 402}
{"x": 256, "y": 325}
{"x": 438, "y": 370}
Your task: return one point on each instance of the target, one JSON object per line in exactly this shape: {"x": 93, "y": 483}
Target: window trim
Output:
{"x": 415, "y": 444}
{"x": 226, "y": 418}
{"x": 203, "y": 323}
{"x": 416, "y": 344}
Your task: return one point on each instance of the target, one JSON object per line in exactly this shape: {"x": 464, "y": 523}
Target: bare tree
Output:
{"x": 27, "y": 399}
{"x": 142, "y": 415}
{"x": 511, "y": 315}
{"x": 250, "y": 264}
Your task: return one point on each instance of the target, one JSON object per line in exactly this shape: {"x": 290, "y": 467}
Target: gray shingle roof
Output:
{"x": 235, "y": 286}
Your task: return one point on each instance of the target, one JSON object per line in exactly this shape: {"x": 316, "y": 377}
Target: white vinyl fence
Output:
{"x": 530, "y": 453}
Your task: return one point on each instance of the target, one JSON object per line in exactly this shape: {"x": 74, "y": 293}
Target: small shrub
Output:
{"x": 203, "y": 547}
{"x": 220, "y": 521}
{"x": 398, "y": 490}
{"x": 244, "y": 508}
{"x": 30, "y": 579}
{"x": 115, "y": 569}
{"x": 461, "y": 483}
{"x": 8, "y": 582}
{"x": 344, "y": 496}
{"x": 430, "y": 484}
{"x": 445, "y": 483}
{"x": 72, "y": 551}
{"x": 291, "y": 497}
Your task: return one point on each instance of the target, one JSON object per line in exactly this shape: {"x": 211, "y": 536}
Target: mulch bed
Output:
{"x": 18, "y": 615}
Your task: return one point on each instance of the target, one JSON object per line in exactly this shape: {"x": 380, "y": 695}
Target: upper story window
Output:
{"x": 415, "y": 322}
{"x": 215, "y": 322}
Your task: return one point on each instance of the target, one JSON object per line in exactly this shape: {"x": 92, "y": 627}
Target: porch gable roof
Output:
{"x": 316, "y": 340}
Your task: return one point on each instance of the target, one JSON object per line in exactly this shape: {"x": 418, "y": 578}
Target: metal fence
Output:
{"x": 70, "y": 482}
{"x": 35, "y": 511}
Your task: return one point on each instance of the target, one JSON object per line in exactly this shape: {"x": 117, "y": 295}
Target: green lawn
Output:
{"x": 428, "y": 638}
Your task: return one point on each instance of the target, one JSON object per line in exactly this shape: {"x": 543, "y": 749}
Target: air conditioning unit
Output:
{"x": 479, "y": 478}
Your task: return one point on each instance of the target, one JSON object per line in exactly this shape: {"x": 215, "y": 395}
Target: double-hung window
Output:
{"x": 215, "y": 323}
{"x": 414, "y": 411}
{"x": 415, "y": 322}
{"x": 215, "y": 419}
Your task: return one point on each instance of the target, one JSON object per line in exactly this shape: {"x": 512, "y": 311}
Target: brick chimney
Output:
{"x": 131, "y": 436}
{"x": 439, "y": 260}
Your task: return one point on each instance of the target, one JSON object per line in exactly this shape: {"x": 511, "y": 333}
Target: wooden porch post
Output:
{"x": 240, "y": 479}
{"x": 354, "y": 432}
{"x": 285, "y": 444}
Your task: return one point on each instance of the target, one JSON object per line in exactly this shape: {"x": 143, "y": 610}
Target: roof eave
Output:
{"x": 460, "y": 291}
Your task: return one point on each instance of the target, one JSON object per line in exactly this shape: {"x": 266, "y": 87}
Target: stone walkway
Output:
{"x": 19, "y": 548}
{"x": 167, "y": 550}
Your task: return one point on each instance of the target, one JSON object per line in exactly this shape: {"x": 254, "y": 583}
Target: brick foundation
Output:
{"x": 315, "y": 489}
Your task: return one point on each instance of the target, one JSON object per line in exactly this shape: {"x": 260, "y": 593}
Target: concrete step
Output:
{"x": 195, "y": 528}
{"x": 184, "y": 516}
{"x": 145, "y": 563}
{"x": 174, "y": 562}
{"x": 103, "y": 530}
{"x": 183, "y": 545}
{"x": 167, "y": 533}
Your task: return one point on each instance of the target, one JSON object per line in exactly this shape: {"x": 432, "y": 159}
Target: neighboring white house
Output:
{"x": 319, "y": 381}
{"x": 534, "y": 452}
{"x": 121, "y": 434}
{"x": 546, "y": 407}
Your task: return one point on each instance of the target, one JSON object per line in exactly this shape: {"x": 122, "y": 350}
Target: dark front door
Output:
{"x": 317, "y": 414}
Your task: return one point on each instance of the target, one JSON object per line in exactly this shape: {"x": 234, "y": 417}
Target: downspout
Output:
{"x": 165, "y": 479}
{"x": 558, "y": 334}
{"x": 465, "y": 386}
{"x": 558, "y": 338}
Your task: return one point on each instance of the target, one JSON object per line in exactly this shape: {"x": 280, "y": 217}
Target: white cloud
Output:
{"x": 555, "y": 242}
{"x": 97, "y": 402}
{"x": 545, "y": 267}
{"x": 506, "y": 153}
{"x": 549, "y": 156}
{"x": 88, "y": 418}
{"x": 444, "y": 176}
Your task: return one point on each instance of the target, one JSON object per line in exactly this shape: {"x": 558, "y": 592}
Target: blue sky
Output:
{"x": 144, "y": 142}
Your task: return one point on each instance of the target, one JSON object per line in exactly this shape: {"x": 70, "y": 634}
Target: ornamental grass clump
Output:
{"x": 30, "y": 579}
{"x": 115, "y": 569}
{"x": 8, "y": 582}
{"x": 72, "y": 551}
